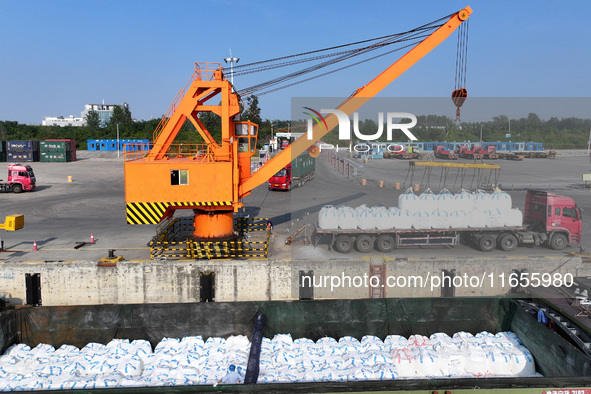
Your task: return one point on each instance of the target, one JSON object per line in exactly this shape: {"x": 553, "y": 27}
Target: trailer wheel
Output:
{"x": 507, "y": 242}
{"x": 558, "y": 242}
{"x": 487, "y": 243}
{"x": 385, "y": 243}
{"x": 17, "y": 188}
{"x": 343, "y": 244}
{"x": 364, "y": 243}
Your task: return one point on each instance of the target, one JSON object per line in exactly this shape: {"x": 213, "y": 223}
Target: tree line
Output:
{"x": 555, "y": 133}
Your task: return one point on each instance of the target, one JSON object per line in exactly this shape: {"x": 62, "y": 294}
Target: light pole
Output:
{"x": 231, "y": 60}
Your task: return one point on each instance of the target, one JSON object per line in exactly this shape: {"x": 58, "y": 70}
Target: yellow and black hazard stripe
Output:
{"x": 152, "y": 212}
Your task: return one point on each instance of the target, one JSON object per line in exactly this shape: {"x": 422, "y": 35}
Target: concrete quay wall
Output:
{"x": 128, "y": 282}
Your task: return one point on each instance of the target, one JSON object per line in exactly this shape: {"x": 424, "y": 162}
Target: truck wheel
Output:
{"x": 558, "y": 242}
{"x": 17, "y": 188}
{"x": 385, "y": 243}
{"x": 487, "y": 243}
{"x": 343, "y": 244}
{"x": 507, "y": 242}
{"x": 289, "y": 187}
{"x": 364, "y": 243}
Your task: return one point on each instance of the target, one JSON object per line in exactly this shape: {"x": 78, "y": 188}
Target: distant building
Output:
{"x": 63, "y": 121}
{"x": 105, "y": 112}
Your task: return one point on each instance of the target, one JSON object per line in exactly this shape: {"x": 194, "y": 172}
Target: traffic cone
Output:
{"x": 91, "y": 238}
{"x": 35, "y": 246}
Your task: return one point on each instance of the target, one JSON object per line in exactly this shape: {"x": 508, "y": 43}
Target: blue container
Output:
{"x": 91, "y": 144}
{"x": 23, "y": 156}
{"x": 22, "y": 146}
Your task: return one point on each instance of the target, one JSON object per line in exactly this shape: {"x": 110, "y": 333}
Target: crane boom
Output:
{"x": 353, "y": 103}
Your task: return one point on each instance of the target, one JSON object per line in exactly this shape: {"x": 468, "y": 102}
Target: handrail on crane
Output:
{"x": 354, "y": 102}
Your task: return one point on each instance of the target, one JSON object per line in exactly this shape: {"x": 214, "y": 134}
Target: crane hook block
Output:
{"x": 458, "y": 96}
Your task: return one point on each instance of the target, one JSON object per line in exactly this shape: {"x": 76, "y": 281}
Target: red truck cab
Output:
{"x": 20, "y": 178}
{"x": 282, "y": 180}
{"x": 557, "y": 216}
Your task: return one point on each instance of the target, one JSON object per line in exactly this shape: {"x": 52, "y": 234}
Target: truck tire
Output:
{"x": 343, "y": 244}
{"x": 17, "y": 188}
{"x": 385, "y": 243}
{"x": 558, "y": 241}
{"x": 364, "y": 243}
{"x": 507, "y": 242}
{"x": 487, "y": 243}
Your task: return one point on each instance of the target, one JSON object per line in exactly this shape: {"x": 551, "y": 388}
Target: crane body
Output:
{"x": 211, "y": 178}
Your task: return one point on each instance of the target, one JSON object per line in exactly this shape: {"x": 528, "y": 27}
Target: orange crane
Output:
{"x": 211, "y": 178}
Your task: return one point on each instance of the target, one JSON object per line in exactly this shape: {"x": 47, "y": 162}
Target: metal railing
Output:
{"x": 200, "y": 152}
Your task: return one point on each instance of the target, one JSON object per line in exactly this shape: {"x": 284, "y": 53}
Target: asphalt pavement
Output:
{"x": 61, "y": 215}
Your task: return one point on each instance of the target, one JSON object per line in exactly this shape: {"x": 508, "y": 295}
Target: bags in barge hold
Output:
{"x": 380, "y": 320}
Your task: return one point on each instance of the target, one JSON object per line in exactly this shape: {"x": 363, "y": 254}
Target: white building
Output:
{"x": 63, "y": 121}
{"x": 105, "y": 111}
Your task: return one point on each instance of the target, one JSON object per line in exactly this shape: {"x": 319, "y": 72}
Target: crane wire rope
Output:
{"x": 413, "y": 36}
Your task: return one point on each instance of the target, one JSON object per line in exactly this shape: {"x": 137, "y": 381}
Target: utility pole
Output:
{"x": 232, "y": 60}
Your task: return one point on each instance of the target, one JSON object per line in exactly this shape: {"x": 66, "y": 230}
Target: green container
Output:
{"x": 56, "y": 157}
{"x": 3, "y": 146}
{"x": 55, "y": 146}
{"x": 302, "y": 165}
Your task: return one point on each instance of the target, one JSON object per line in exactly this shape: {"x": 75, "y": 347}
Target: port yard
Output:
{"x": 60, "y": 215}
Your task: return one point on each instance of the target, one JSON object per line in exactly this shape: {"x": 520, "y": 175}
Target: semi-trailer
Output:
{"x": 549, "y": 219}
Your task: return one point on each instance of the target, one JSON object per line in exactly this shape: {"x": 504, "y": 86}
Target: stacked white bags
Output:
{"x": 438, "y": 356}
{"x": 428, "y": 211}
{"x": 122, "y": 363}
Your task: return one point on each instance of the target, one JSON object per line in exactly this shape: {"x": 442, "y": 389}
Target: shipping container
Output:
{"x": 22, "y": 146}
{"x": 72, "y": 147}
{"x": 22, "y": 156}
{"x": 56, "y": 157}
{"x": 303, "y": 164}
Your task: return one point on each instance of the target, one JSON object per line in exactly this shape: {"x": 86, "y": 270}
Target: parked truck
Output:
{"x": 549, "y": 219}
{"x": 20, "y": 178}
{"x": 489, "y": 153}
{"x": 442, "y": 153}
{"x": 466, "y": 153}
{"x": 296, "y": 173}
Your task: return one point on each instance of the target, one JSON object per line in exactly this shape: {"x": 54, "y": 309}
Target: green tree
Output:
{"x": 252, "y": 111}
{"x": 92, "y": 119}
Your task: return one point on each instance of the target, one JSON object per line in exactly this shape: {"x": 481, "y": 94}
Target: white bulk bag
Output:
{"x": 445, "y": 201}
{"x": 421, "y": 220}
{"x": 347, "y": 218}
{"x": 407, "y": 201}
{"x": 513, "y": 218}
{"x": 495, "y": 218}
{"x": 366, "y": 219}
{"x": 482, "y": 201}
{"x": 428, "y": 201}
{"x": 463, "y": 201}
{"x": 402, "y": 220}
{"x": 328, "y": 219}
{"x": 501, "y": 200}
{"x": 477, "y": 219}
{"x": 458, "y": 219}
{"x": 383, "y": 218}
{"x": 440, "y": 219}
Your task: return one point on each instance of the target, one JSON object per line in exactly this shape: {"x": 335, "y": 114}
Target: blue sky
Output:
{"x": 61, "y": 54}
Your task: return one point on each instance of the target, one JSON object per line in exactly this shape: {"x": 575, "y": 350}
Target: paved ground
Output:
{"x": 59, "y": 214}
